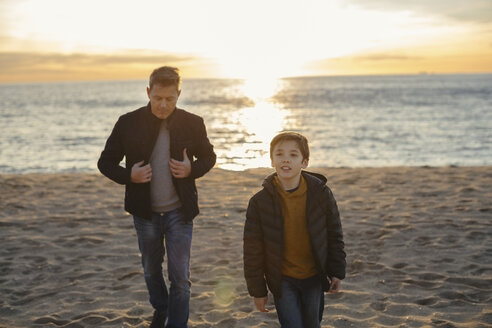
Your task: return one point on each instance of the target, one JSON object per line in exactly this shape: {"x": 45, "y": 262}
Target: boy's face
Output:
{"x": 287, "y": 160}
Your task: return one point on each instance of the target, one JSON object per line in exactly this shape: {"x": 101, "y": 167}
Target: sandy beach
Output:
{"x": 418, "y": 243}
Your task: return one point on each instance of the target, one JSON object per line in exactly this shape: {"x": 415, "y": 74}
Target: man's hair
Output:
{"x": 301, "y": 141}
{"x": 165, "y": 76}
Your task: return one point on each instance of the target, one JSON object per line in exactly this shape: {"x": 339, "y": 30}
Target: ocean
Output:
{"x": 351, "y": 121}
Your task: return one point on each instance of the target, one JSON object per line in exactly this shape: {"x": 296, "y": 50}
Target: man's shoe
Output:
{"x": 159, "y": 320}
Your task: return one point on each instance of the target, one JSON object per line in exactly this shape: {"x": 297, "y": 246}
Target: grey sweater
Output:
{"x": 162, "y": 193}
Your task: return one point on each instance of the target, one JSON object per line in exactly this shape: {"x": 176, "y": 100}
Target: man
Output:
{"x": 166, "y": 149}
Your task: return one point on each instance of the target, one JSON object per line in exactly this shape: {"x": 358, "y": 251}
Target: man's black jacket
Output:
{"x": 263, "y": 236}
{"x": 134, "y": 136}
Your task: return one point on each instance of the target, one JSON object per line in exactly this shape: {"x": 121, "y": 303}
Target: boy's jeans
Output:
{"x": 301, "y": 303}
{"x": 177, "y": 234}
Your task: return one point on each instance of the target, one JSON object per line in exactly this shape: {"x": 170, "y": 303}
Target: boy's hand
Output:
{"x": 335, "y": 286}
{"x": 260, "y": 303}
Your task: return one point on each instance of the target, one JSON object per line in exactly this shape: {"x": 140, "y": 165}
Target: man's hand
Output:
{"x": 260, "y": 303}
{"x": 141, "y": 174}
{"x": 335, "y": 286}
{"x": 180, "y": 169}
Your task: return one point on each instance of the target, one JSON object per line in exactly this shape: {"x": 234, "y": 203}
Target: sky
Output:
{"x": 60, "y": 40}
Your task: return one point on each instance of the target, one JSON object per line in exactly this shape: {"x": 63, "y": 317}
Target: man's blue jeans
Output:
{"x": 301, "y": 303}
{"x": 171, "y": 228}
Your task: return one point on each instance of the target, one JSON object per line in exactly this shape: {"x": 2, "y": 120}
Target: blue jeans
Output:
{"x": 171, "y": 228}
{"x": 301, "y": 303}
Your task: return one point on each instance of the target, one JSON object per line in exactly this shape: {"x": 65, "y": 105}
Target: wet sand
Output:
{"x": 418, "y": 243}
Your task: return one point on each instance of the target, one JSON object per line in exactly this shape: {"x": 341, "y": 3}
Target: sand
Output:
{"x": 418, "y": 243}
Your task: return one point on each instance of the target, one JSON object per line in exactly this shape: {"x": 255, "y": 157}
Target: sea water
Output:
{"x": 351, "y": 121}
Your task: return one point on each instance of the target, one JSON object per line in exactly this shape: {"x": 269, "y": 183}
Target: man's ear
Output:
{"x": 148, "y": 92}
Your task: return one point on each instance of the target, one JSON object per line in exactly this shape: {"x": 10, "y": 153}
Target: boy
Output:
{"x": 293, "y": 240}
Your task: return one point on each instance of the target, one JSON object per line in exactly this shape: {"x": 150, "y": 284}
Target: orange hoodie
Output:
{"x": 298, "y": 261}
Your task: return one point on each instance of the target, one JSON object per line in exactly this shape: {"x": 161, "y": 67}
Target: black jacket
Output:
{"x": 134, "y": 136}
{"x": 263, "y": 236}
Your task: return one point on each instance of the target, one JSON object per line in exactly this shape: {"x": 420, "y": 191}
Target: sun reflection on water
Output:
{"x": 256, "y": 126}
{"x": 261, "y": 88}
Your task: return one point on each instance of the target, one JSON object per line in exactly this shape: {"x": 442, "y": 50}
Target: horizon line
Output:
{"x": 424, "y": 73}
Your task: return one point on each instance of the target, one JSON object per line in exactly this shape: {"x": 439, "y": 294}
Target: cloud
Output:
{"x": 25, "y": 58}
{"x": 402, "y": 62}
{"x": 382, "y": 57}
{"x": 479, "y": 11}
{"x": 32, "y": 66}
{"x": 351, "y": 64}
{"x": 3, "y": 16}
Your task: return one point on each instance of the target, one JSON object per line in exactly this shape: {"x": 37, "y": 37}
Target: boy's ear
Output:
{"x": 305, "y": 163}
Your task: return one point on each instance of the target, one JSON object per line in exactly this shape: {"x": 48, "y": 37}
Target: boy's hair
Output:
{"x": 165, "y": 76}
{"x": 301, "y": 141}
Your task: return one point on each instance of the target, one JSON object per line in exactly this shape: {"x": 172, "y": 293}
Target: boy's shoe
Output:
{"x": 159, "y": 320}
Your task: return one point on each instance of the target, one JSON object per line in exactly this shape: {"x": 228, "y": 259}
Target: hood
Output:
{"x": 322, "y": 179}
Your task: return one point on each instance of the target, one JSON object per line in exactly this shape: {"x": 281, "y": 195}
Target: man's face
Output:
{"x": 287, "y": 159}
{"x": 163, "y": 100}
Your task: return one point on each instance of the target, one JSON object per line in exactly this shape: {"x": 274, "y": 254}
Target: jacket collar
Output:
{"x": 155, "y": 120}
{"x": 151, "y": 117}
{"x": 174, "y": 117}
